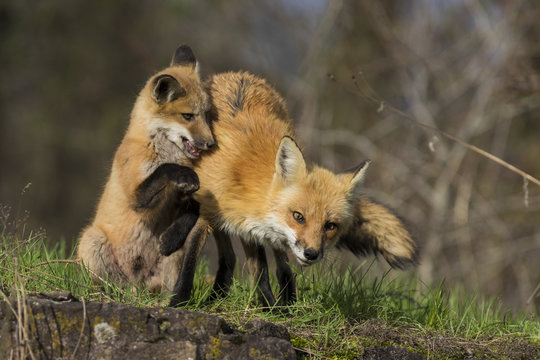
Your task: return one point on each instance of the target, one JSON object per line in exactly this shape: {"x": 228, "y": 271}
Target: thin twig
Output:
{"x": 449, "y": 136}
{"x": 384, "y": 105}
{"x": 19, "y": 321}
{"x": 526, "y": 192}
{"x": 82, "y": 329}
{"x": 536, "y": 290}
{"x": 305, "y": 350}
{"x": 61, "y": 261}
{"x": 25, "y": 321}
{"x": 22, "y": 317}
{"x": 54, "y": 276}
{"x": 35, "y": 271}
{"x": 31, "y": 278}
{"x": 59, "y": 278}
{"x": 68, "y": 261}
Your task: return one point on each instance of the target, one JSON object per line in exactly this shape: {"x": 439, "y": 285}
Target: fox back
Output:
{"x": 257, "y": 185}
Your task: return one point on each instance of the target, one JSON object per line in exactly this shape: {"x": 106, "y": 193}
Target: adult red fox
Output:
{"x": 147, "y": 197}
{"x": 256, "y": 185}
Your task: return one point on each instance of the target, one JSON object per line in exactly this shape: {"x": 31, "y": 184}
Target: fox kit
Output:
{"x": 148, "y": 196}
{"x": 256, "y": 185}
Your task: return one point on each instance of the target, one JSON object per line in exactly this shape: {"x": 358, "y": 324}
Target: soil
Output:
{"x": 382, "y": 341}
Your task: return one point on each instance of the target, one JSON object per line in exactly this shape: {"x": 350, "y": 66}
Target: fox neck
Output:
{"x": 248, "y": 202}
{"x": 260, "y": 231}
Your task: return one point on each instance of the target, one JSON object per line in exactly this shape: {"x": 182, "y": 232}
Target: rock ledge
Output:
{"x": 62, "y": 327}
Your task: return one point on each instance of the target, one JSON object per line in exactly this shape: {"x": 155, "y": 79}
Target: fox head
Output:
{"x": 311, "y": 207}
{"x": 173, "y": 105}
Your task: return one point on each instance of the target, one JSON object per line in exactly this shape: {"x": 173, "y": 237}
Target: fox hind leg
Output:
{"x": 227, "y": 261}
{"x": 97, "y": 254}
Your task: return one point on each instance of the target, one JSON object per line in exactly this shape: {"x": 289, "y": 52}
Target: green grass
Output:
{"x": 332, "y": 318}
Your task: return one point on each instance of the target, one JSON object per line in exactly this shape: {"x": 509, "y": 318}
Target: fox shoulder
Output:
{"x": 376, "y": 229}
{"x": 232, "y": 92}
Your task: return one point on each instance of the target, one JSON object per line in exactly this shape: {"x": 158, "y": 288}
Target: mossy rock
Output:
{"x": 64, "y": 329}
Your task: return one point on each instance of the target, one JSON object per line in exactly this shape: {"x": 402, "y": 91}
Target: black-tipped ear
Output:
{"x": 359, "y": 168}
{"x": 184, "y": 56}
{"x": 358, "y": 175}
{"x": 289, "y": 160}
{"x": 166, "y": 89}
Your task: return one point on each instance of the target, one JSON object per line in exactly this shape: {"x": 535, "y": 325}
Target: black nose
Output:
{"x": 311, "y": 254}
{"x": 210, "y": 144}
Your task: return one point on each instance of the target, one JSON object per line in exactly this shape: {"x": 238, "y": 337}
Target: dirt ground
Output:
{"x": 391, "y": 343}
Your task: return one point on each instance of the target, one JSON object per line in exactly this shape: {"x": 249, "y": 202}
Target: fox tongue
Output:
{"x": 192, "y": 149}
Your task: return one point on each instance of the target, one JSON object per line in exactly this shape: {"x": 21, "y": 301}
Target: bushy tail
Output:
{"x": 376, "y": 229}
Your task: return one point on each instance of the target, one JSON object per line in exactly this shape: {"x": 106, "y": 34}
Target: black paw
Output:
{"x": 179, "y": 301}
{"x": 169, "y": 243}
{"x": 186, "y": 180}
{"x": 175, "y": 236}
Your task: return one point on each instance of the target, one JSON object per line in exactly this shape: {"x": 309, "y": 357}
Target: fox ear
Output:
{"x": 376, "y": 229}
{"x": 166, "y": 89}
{"x": 358, "y": 176}
{"x": 184, "y": 56}
{"x": 289, "y": 160}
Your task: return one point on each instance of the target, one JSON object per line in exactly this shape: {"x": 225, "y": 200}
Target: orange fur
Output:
{"x": 256, "y": 185}
{"x": 240, "y": 191}
{"x": 123, "y": 240}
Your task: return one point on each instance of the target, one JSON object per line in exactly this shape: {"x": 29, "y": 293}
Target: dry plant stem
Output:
{"x": 58, "y": 261}
{"x": 13, "y": 252}
{"x": 305, "y": 351}
{"x": 56, "y": 277}
{"x": 473, "y": 148}
{"x": 67, "y": 261}
{"x": 26, "y": 319}
{"x": 8, "y": 302}
{"x": 22, "y": 317}
{"x": 47, "y": 274}
{"x": 536, "y": 290}
{"x": 82, "y": 329}
{"x": 18, "y": 314}
{"x": 35, "y": 271}
{"x": 18, "y": 275}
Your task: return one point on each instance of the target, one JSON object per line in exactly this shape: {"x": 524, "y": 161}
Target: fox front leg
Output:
{"x": 227, "y": 261}
{"x": 258, "y": 267}
{"x": 152, "y": 191}
{"x": 286, "y": 280}
{"x": 175, "y": 236}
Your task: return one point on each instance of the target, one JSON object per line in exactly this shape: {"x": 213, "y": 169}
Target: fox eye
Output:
{"x": 329, "y": 226}
{"x": 187, "y": 116}
{"x": 298, "y": 217}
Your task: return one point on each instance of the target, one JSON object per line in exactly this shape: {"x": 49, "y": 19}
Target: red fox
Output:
{"x": 147, "y": 197}
{"x": 256, "y": 185}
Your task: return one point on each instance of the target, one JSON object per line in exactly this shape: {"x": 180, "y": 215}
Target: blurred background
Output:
{"x": 71, "y": 70}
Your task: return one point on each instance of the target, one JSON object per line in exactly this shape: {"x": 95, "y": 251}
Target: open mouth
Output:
{"x": 303, "y": 262}
{"x": 191, "y": 150}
